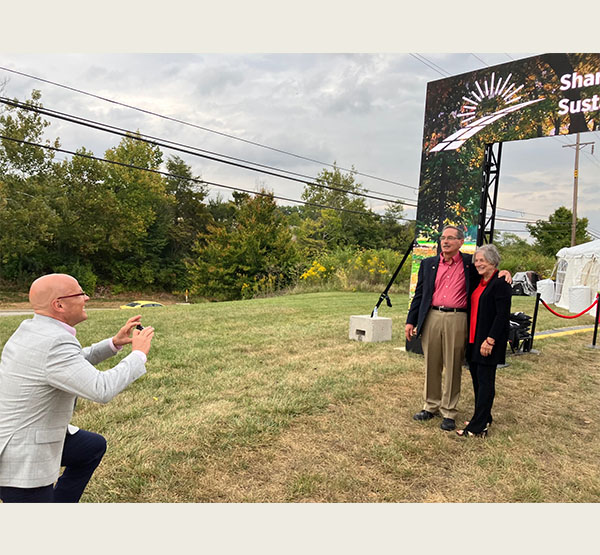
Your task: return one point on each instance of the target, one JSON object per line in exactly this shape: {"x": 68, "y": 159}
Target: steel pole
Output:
{"x": 596, "y": 320}
{"x": 533, "y": 323}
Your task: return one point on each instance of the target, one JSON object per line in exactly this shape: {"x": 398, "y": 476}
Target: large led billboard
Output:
{"x": 547, "y": 95}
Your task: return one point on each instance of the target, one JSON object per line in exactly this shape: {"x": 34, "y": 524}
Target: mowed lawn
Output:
{"x": 267, "y": 400}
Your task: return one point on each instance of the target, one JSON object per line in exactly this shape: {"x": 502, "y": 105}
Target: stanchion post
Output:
{"x": 535, "y": 313}
{"x": 384, "y": 295}
{"x": 596, "y": 320}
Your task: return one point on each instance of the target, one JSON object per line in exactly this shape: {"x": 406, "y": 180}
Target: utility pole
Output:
{"x": 578, "y": 145}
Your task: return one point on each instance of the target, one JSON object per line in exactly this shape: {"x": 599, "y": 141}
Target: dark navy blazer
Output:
{"x": 421, "y": 302}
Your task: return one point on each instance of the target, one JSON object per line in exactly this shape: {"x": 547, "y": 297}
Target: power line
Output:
{"x": 591, "y": 159}
{"x": 521, "y": 212}
{"x": 154, "y": 140}
{"x": 515, "y": 220}
{"x": 475, "y": 56}
{"x": 434, "y": 64}
{"x": 430, "y": 65}
{"x": 195, "y": 180}
{"x": 527, "y": 231}
{"x": 419, "y": 57}
{"x": 183, "y": 122}
{"x": 160, "y": 143}
{"x": 519, "y": 221}
{"x": 229, "y": 187}
{"x": 107, "y": 127}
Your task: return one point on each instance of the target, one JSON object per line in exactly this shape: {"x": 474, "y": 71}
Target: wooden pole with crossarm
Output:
{"x": 578, "y": 145}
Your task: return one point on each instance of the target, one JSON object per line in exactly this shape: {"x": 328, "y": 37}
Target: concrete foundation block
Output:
{"x": 365, "y": 328}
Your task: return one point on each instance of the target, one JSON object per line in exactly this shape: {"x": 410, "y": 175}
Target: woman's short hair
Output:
{"x": 490, "y": 253}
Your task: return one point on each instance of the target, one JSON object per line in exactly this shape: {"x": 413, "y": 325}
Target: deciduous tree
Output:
{"x": 256, "y": 248}
{"x": 554, "y": 234}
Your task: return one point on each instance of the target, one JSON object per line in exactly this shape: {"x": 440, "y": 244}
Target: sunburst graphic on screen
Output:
{"x": 485, "y": 105}
{"x": 489, "y": 96}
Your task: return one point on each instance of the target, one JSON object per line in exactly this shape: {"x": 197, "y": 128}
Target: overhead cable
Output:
{"x": 107, "y": 127}
{"x": 195, "y": 180}
{"x": 160, "y": 143}
{"x": 200, "y": 153}
{"x": 526, "y": 231}
{"x": 429, "y": 64}
{"x": 475, "y": 56}
{"x": 183, "y": 122}
{"x": 522, "y": 212}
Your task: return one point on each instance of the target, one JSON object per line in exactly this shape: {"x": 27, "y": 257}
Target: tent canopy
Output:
{"x": 578, "y": 265}
{"x": 593, "y": 247}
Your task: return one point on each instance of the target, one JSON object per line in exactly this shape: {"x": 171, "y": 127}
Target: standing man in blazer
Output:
{"x": 42, "y": 372}
{"x": 438, "y": 313}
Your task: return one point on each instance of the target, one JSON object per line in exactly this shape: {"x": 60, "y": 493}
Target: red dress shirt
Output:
{"x": 450, "y": 286}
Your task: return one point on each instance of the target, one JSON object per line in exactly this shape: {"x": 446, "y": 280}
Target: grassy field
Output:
{"x": 267, "y": 400}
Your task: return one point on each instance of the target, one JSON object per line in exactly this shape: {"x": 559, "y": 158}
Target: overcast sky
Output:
{"x": 363, "y": 110}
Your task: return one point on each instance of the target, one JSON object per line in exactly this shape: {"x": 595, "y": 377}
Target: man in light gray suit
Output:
{"x": 42, "y": 372}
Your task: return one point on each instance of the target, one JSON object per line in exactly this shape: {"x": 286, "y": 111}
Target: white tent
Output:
{"x": 579, "y": 265}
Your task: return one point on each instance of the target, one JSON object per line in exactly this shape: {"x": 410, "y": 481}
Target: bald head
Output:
{"x": 47, "y": 288}
{"x": 59, "y": 296}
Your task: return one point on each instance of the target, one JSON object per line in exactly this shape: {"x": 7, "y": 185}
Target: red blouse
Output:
{"x": 475, "y": 306}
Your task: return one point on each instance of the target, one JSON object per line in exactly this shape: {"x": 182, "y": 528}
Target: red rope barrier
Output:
{"x": 576, "y": 315}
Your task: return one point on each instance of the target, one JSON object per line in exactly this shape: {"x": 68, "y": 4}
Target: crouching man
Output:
{"x": 42, "y": 372}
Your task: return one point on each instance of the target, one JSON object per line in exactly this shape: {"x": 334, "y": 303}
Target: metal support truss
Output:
{"x": 489, "y": 194}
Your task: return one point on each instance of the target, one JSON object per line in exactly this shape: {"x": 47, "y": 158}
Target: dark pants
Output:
{"x": 81, "y": 455}
{"x": 484, "y": 386}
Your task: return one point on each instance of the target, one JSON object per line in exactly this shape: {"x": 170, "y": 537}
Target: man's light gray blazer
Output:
{"x": 42, "y": 371}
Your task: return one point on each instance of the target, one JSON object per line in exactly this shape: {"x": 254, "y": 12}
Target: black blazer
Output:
{"x": 421, "y": 302}
{"x": 493, "y": 315}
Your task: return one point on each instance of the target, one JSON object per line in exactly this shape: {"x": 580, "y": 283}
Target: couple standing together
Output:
{"x": 461, "y": 304}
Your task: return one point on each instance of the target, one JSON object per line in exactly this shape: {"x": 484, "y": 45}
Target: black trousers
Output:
{"x": 81, "y": 455}
{"x": 484, "y": 387}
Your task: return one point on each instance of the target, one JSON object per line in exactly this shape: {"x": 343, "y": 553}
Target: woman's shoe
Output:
{"x": 467, "y": 422}
{"x": 467, "y": 433}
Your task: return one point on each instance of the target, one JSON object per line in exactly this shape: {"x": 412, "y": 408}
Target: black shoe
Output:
{"x": 423, "y": 415}
{"x": 448, "y": 424}
{"x": 466, "y": 433}
{"x": 467, "y": 422}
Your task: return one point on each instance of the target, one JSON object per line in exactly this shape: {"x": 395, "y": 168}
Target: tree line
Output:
{"x": 119, "y": 228}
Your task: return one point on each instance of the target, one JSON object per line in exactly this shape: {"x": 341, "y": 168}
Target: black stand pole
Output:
{"x": 596, "y": 320}
{"x": 384, "y": 295}
{"x": 535, "y": 313}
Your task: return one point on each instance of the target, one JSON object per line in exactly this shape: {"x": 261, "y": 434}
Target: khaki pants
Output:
{"x": 444, "y": 341}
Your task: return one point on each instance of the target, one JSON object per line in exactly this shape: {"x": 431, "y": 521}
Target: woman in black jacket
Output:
{"x": 488, "y": 333}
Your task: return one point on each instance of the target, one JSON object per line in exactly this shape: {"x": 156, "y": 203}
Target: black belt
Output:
{"x": 446, "y": 309}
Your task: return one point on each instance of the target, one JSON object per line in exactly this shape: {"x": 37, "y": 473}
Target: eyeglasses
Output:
{"x": 82, "y": 294}
{"x": 448, "y": 238}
